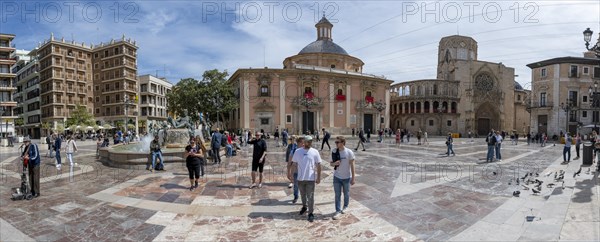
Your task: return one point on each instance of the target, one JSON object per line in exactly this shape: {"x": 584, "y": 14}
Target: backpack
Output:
{"x": 491, "y": 140}
{"x": 327, "y": 135}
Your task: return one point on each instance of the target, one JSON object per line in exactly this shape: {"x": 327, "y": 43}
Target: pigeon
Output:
{"x": 550, "y": 185}
{"x": 535, "y": 191}
{"x": 494, "y": 173}
{"x": 563, "y": 185}
{"x": 525, "y": 187}
{"x": 555, "y": 174}
{"x": 516, "y": 193}
{"x": 537, "y": 174}
{"x": 523, "y": 178}
{"x": 517, "y": 181}
{"x": 577, "y": 173}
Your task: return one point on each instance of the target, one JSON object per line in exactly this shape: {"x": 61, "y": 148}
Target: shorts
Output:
{"x": 256, "y": 166}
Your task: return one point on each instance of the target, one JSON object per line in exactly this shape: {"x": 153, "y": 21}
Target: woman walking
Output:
{"x": 193, "y": 161}
{"x": 398, "y": 137}
{"x": 70, "y": 147}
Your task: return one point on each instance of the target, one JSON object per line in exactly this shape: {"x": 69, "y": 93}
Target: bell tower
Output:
{"x": 324, "y": 29}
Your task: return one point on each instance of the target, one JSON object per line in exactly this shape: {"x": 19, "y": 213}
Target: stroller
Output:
{"x": 23, "y": 192}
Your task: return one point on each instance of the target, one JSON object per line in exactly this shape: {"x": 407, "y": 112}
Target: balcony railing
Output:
{"x": 536, "y": 104}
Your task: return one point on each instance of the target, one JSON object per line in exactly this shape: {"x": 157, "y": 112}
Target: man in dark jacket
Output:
{"x": 326, "y": 137}
{"x": 57, "y": 144}
{"x": 215, "y": 145}
{"x": 33, "y": 154}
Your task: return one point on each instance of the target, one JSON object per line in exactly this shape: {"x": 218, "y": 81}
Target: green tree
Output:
{"x": 80, "y": 116}
{"x": 47, "y": 126}
{"x": 212, "y": 95}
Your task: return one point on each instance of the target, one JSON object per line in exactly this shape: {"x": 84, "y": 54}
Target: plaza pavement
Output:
{"x": 406, "y": 193}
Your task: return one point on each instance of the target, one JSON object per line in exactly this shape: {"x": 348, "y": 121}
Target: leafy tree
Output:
{"x": 47, "y": 126}
{"x": 212, "y": 95}
{"x": 80, "y": 116}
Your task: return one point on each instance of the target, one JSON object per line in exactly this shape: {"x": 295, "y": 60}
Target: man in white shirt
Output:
{"x": 307, "y": 162}
{"x": 343, "y": 175}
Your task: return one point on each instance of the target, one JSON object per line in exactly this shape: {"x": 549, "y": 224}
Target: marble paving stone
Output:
{"x": 401, "y": 194}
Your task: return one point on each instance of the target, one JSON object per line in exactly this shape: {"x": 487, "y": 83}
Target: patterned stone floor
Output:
{"x": 403, "y": 193}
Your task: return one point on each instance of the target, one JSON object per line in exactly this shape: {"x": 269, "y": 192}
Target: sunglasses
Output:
{"x": 338, "y": 142}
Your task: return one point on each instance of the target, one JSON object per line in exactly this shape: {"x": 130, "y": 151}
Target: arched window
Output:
{"x": 453, "y": 107}
{"x": 308, "y": 93}
{"x": 418, "y": 107}
{"x": 435, "y": 89}
{"x": 436, "y": 106}
{"x": 427, "y": 107}
{"x": 445, "y": 106}
{"x": 412, "y": 107}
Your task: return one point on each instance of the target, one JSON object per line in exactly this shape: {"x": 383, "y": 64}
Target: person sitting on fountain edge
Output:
{"x": 156, "y": 153}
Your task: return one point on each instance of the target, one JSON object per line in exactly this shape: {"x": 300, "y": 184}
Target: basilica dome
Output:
{"x": 323, "y": 46}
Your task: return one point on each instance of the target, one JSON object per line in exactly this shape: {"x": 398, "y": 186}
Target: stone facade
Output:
{"x": 320, "y": 87}
{"x": 558, "y": 81}
{"x": 467, "y": 95}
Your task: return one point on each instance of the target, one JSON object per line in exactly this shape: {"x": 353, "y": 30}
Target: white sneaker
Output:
{"x": 58, "y": 167}
{"x": 337, "y": 216}
{"x": 291, "y": 185}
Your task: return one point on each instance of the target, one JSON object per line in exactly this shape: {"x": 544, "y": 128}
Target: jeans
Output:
{"x": 567, "y": 154}
{"x": 284, "y": 142}
{"x": 577, "y": 150}
{"x": 450, "y": 149}
{"x": 58, "y": 161}
{"x": 490, "y": 153}
{"x": 154, "y": 155}
{"x": 216, "y": 156}
{"x": 307, "y": 193}
{"x": 229, "y": 149}
{"x": 338, "y": 186}
{"x": 325, "y": 141}
{"x": 295, "y": 185}
{"x": 498, "y": 155}
{"x": 70, "y": 158}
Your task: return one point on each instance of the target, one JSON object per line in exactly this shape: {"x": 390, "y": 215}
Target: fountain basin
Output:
{"x": 118, "y": 156}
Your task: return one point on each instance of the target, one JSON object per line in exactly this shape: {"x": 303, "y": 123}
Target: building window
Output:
{"x": 430, "y": 122}
{"x": 586, "y": 70}
{"x": 412, "y": 123}
{"x": 595, "y": 118}
{"x": 106, "y": 87}
{"x": 518, "y": 97}
{"x": 573, "y": 71}
{"x": 288, "y": 118}
{"x": 449, "y": 123}
{"x": 116, "y": 50}
{"x": 264, "y": 121}
{"x": 332, "y": 66}
{"x": 97, "y": 110}
{"x": 543, "y": 72}
{"x": 542, "y": 99}
{"x": 264, "y": 91}
{"x": 95, "y": 55}
{"x": 584, "y": 114}
{"x": 97, "y": 99}
{"x": 585, "y": 99}
{"x": 596, "y": 72}
{"x": 573, "y": 98}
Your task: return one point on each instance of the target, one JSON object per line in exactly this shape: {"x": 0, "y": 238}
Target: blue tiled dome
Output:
{"x": 323, "y": 46}
{"x": 518, "y": 86}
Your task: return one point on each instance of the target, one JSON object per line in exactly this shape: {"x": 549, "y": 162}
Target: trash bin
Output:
{"x": 588, "y": 153}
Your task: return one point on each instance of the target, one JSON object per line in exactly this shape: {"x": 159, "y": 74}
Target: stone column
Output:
{"x": 387, "y": 109}
{"x": 246, "y": 104}
{"x": 282, "y": 103}
{"x": 331, "y": 105}
{"x": 348, "y": 103}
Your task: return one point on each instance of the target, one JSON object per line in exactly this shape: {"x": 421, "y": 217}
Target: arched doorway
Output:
{"x": 486, "y": 118}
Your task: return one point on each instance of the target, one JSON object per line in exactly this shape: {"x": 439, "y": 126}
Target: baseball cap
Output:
{"x": 308, "y": 138}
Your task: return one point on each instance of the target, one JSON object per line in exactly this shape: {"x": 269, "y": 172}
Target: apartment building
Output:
{"x": 98, "y": 77}
{"x": 562, "y": 90}
{"x": 115, "y": 81}
{"x": 7, "y": 103}
{"x": 27, "y": 95}
{"x": 153, "y": 99}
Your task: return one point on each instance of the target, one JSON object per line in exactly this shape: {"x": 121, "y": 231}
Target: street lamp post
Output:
{"x": 127, "y": 102}
{"x": 595, "y": 101}
{"x": 440, "y": 110}
{"x": 307, "y": 106}
{"x": 567, "y": 107}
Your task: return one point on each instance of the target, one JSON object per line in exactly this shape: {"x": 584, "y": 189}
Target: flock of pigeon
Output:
{"x": 531, "y": 178}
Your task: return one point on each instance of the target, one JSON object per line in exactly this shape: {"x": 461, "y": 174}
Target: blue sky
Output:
{"x": 396, "y": 39}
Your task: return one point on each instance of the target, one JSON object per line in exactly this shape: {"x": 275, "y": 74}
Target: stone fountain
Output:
{"x": 173, "y": 137}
